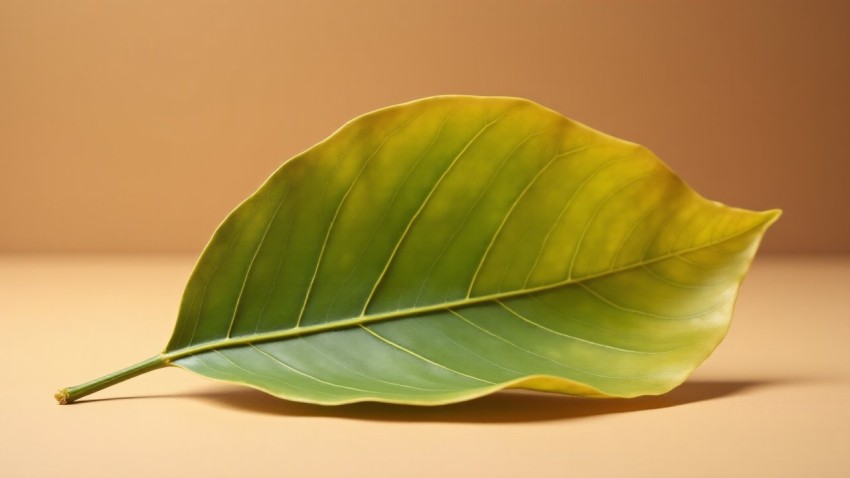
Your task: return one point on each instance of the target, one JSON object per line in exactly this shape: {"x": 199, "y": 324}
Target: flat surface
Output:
{"x": 772, "y": 400}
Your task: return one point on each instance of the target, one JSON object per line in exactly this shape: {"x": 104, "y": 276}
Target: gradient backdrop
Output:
{"x": 137, "y": 126}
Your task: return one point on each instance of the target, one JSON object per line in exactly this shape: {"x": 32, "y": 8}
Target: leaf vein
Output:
{"x": 262, "y": 375}
{"x": 391, "y": 202}
{"x": 650, "y": 314}
{"x": 420, "y": 357}
{"x": 413, "y": 218}
{"x": 307, "y": 375}
{"x": 674, "y": 283}
{"x": 595, "y": 214}
{"x": 649, "y": 212}
{"x": 253, "y": 259}
{"x": 510, "y": 211}
{"x": 573, "y": 337}
{"x": 466, "y": 216}
{"x": 402, "y": 313}
{"x": 564, "y": 209}
{"x": 339, "y": 208}
{"x": 345, "y": 366}
{"x": 548, "y": 359}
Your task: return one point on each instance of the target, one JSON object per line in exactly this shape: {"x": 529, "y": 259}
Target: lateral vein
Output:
{"x": 397, "y": 314}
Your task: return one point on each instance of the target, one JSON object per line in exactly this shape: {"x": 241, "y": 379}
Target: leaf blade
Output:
{"x": 417, "y": 226}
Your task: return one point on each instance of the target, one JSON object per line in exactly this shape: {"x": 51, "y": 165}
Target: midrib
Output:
{"x": 364, "y": 319}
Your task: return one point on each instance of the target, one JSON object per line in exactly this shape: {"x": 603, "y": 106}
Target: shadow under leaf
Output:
{"x": 510, "y": 406}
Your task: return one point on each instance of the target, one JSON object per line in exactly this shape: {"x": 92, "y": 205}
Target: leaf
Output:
{"x": 443, "y": 249}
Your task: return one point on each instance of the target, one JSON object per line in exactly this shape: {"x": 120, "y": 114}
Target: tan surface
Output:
{"x": 771, "y": 402}
{"x": 137, "y": 125}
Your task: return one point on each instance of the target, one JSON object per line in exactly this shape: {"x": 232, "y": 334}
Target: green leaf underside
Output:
{"x": 443, "y": 249}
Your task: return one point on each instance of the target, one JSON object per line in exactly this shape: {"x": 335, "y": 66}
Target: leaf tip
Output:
{"x": 772, "y": 215}
{"x": 62, "y": 396}
{"x": 764, "y": 219}
{"x": 768, "y": 218}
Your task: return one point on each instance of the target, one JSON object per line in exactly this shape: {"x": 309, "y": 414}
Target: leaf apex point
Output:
{"x": 771, "y": 216}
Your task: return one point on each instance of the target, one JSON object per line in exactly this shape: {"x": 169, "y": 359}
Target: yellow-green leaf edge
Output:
{"x": 182, "y": 355}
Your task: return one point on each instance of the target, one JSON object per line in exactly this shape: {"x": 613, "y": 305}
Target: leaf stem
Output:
{"x": 72, "y": 394}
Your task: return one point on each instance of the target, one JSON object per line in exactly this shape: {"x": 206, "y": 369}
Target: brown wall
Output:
{"x": 136, "y": 126}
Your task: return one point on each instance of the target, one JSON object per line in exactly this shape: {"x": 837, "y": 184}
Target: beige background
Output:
{"x": 136, "y": 126}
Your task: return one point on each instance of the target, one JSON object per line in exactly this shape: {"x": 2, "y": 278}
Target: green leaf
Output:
{"x": 443, "y": 249}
